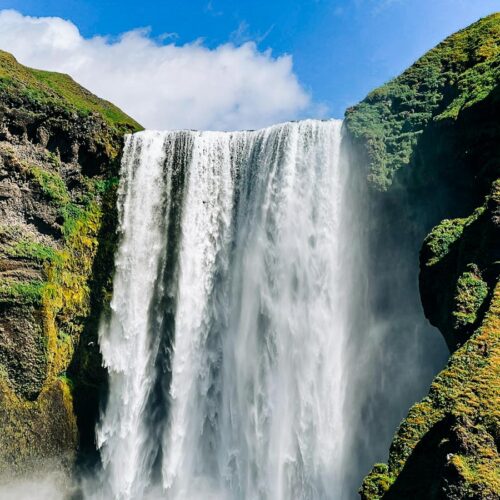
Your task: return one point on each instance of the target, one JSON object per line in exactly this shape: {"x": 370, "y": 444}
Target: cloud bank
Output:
{"x": 163, "y": 85}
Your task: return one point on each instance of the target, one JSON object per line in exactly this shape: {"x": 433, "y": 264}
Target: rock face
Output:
{"x": 431, "y": 139}
{"x": 59, "y": 155}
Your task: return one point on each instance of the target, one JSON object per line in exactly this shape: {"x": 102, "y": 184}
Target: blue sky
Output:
{"x": 341, "y": 49}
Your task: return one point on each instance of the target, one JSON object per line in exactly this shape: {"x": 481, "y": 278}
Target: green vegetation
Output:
{"x": 459, "y": 269}
{"x": 21, "y": 292}
{"x": 66, "y": 297}
{"x": 470, "y": 295}
{"x": 51, "y": 184}
{"x": 59, "y": 92}
{"x": 446, "y": 446}
{"x": 67, "y": 381}
{"x": 62, "y": 302}
{"x": 56, "y": 264}
{"x": 33, "y": 431}
{"x": 442, "y": 237}
{"x": 71, "y": 213}
{"x": 459, "y": 72}
{"x": 377, "y": 482}
{"x": 101, "y": 186}
{"x": 440, "y": 240}
{"x": 33, "y": 250}
{"x": 439, "y": 120}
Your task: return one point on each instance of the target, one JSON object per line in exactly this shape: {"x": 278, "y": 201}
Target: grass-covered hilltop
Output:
{"x": 430, "y": 139}
{"x": 59, "y": 157}
{"x": 456, "y": 81}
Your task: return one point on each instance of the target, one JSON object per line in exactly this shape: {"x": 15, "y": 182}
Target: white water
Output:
{"x": 233, "y": 250}
{"x": 125, "y": 342}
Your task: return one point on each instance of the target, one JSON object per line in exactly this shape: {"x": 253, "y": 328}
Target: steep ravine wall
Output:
{"x": 431, "y": 140}
{"x": 59, "y": 157}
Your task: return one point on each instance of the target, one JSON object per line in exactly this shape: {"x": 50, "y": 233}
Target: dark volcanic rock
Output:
{"x": 59, "y": 158}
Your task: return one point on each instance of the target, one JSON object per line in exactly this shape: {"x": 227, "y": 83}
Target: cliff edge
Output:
{"x": 430, "y": 141}
{"x": 59, "y": 158}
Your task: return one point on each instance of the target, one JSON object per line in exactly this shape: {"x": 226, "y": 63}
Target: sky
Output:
{"x": 222, "y": 64}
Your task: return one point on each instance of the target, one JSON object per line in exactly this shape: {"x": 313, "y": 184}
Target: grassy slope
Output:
{"x": 453, "y": 76}
{"x": 58, "y": 92}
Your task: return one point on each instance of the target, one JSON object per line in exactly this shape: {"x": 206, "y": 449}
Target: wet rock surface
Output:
{"x": 59, "y": 158}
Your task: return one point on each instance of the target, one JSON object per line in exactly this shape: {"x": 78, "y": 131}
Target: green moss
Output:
{"x": 66, "y": 298}
{"x": 22, "y": 292}
{"x": 51, "y": 184}
{"x": 67, "y": 381}
{"x": 70, "y": 213}
{"x": 36, "y": 431}
{"x": 447, "y": 446}
{"x": 462, "y": 413}
{"x": 102, "y": 186}
{"x": 59, "y": 312}
{"x": 376, "y": 483}
{"x": 470, "y": 294}
{"x": 33, "y": 250}
{"x": 59, "y": 91}
{"x": 53, "y": 159}
{"x": 62, "y": 300}
{"x": 442, "y": 237}
{"x": 439, "y": 120}
{"x": 456, "y": 74}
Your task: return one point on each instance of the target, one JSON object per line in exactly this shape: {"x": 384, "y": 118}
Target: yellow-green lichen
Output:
{"x": 66, "y": 295}
{"x": 62, "y": 303}
{"x": 471, "y": 292}
{"x": 51, "y": 185}
{"x": 34, "y": 432}
{"x": 466, "y": 395}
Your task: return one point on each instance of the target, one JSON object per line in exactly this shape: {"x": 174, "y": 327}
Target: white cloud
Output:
{"x": 163, "y": 86}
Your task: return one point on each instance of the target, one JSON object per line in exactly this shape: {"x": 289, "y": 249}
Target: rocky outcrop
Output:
{"x": 447, "y": 447}
{"x": 59, "y": 155}
{"x": 431, "y": 140}
{"x": 460, "y": 266}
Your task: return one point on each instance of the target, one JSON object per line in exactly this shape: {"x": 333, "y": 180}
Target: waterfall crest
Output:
{"x": 224, "y": 345}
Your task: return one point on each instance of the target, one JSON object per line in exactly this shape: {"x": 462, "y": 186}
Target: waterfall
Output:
{"x": 224, "y": 345}
{"x": 235, "y": 336}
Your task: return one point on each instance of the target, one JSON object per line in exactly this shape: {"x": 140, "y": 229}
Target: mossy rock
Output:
{"x": 459, "y": 267}
{"x": 447, "y": 447}
{"x": 37, "y": 432}
{"x": 456, "y": 75}
{"x": 60, "y": 152}
{"x": 430, "y": 143}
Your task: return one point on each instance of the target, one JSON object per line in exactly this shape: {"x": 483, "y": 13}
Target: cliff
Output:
{"x": 430, "y": 141}
{"x": 59, "y": 157}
